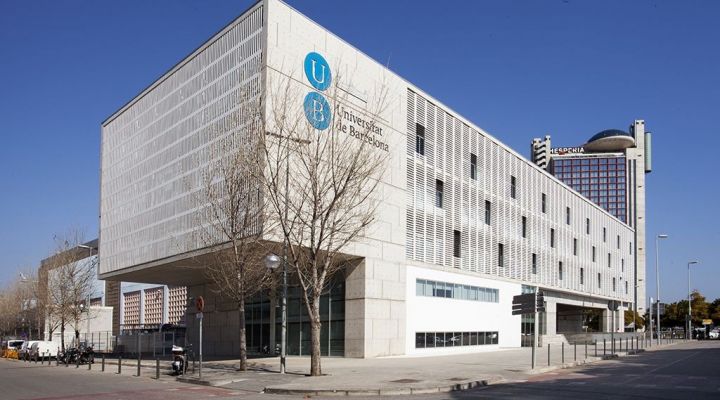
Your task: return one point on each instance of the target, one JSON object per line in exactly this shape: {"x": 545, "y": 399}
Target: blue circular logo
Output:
{"x": 317, "y": 110}
{"x": 317, "y": 71}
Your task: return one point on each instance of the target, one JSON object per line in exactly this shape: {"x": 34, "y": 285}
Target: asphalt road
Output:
{"x": 27, "y": 381}
{"x": 682, "y": 371}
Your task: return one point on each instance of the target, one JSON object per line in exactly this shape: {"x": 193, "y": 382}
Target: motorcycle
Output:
{"x": 179, "y": 363}
{"x": 87, "y": 355}
{"x": 70, "y": 356}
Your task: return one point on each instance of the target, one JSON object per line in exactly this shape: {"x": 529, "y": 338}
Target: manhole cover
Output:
{"x": 458, "y": 379}
{"x": 405, "y": 381}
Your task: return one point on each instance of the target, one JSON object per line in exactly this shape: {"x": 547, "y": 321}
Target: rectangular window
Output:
{"x": 439, "y": 190}
{"x": 534, "y": 263}
{"x": 488, "y": 211}
{"x": 582, "y": 276}
{"x": 594, "y": 259}
{"x": 618, "y": 242}
{"x": 604, "y": 234}
{"x": 552, "y": 237}
{"x": 455, "y": 291}
{"x": 420, "y": 139}
{"x": 626, "y": 287}
{"x": 560, "y": 271}
{"x": 543, "y": 203}
{"x": 524, "y": 227}
{"x": 630, "y": 247}
{"x": 609, "y": 260}
{"x": 599, "y": 281}
{"x": 501, "y": 255}
{"x": 473, "y": 166}
{"x": 614, "y": 284}
{"x": 513, "y": 189}
{"x": 587, "y": 226}
{"x": 456, "y": 243}
{"x": 575, "y": 249}
{"x": 622, "y": 265}
{"x": 567, "y": 215}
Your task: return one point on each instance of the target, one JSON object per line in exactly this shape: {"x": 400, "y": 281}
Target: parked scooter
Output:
{"x": 70, "y": 355}
{"x": 87, "y": 355}
{"x": 179, "y": 363}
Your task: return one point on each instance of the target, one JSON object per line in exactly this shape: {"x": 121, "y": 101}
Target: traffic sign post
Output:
{"x": 530, "y": 303}
{"x": 200, "y": 305}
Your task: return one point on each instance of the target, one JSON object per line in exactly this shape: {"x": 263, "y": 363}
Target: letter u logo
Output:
{"x": 317, "y": 71}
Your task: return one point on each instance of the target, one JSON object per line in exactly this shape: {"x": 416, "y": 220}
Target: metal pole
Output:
{"x": 200, "y": 353}
{"x": 157, "y": 368}
{"x": 575, "y": 351}
{"x": 283, "y": 311}
{"x": 138, "y": 366}
{"x": 103, "y": 363}
{"x": 532, "y": 361}
{"x": 689, "y": 315}
{"x": 657, "y": 284}
{"x": 548, "y": 354}
{"x": 562, "y": 353}
{"x": 604, "y": 346}
{"x": 119, "y": 365}
{"x": 536, "y": 331}
{"x": 586, "y": 349}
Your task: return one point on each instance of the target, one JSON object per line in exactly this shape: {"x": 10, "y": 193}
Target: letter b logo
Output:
{"x": 317, "y": 110}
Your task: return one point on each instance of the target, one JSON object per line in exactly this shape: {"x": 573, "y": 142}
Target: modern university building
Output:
{"x": 465, "y": 222}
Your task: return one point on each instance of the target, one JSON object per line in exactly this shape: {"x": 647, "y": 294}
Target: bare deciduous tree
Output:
{"x": 71, "y": 283}
{"x": 320, "y": 185}
{"x": 231, "y": 214}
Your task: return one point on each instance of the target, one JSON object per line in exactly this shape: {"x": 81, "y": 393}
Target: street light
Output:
{"x": 688, "y": 335}
{"x": 272, "y": 261}
{"x": 90, "y": 248}
{"x": 657, "y": 283}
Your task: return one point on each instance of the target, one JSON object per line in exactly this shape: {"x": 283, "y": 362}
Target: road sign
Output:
{"x": 199, "y": 315}
{"x": 707, "y": 322}
{"x": 200, "y": 304}
{"x": 528, "y": 303}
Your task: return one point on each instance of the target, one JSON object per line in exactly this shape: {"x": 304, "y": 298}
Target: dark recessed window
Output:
{"x": 582, "y": 276}
{"x": 488, "y": 212}
{"x": 534, "y": 263}
{"x": 622, "y": 265}
{"x": 593, "y": 255}
{"x": 626, "y": 287}
{"x": 543, "y": 203}
{"x": 575, "y": 247}
{"x": 609, "y": 260}
{"x": 420, "y": 139}
{"x": 456, "y": 243}
{"x": 524, "y": 227}
{"x": 604, "y": 234}
{"x": 618, "y": 242}
{"x": 614, "y": 284}
{"x": 552, "y": 237}
{"x": 513, "y": 187}
{"x": 473, "y": 166}
{"x": 501, "y": 255}
{"x": 567, "y": 215}
{"x": 439, "y": 191}
{"x": 599, "y": 281}
{"x": 587, "y": 225}
{"x": 560, "y": 271}
{"x": 630, "y": 246}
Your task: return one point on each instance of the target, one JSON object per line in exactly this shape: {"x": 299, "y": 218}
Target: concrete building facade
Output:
{"x": 465, "y": 222}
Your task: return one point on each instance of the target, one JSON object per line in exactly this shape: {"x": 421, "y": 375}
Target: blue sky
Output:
{"x": 518, "y": 69}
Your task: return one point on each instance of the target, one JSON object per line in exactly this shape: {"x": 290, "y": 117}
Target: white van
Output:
{"x": 24, "y": 351}
{"x": 44, "y": 349}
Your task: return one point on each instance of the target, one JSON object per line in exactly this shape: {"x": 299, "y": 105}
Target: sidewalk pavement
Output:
{"x": 398, "y": 375}
{"x": 378, "y": 376}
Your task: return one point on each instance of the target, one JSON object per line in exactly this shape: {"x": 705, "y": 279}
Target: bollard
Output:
{"x": 157, "y": 368}
{"x": 595, "y": 348}
{"x": 562, "y": 352}
{"x": 138, "y": 367}
{"x": 626, "y": 345}
{"x": 586, "y": 349}
{"x": 119, "y": 365}
{"x": 57, "y": 359}
{"x": 575, "y": 351}
{"x": 103, "y": 363}
{"x": 89, "y": 365}
{"x": 548, "y": 354}
{"x": 604, "y": 347}
{"x": 77, "y": 361}
{"x": 42, "y": 360}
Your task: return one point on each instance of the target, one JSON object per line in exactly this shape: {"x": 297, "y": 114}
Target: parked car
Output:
{"x": 24, "y": 351}
{"x": 14, "y": 344}
{"x": 44, "y": 349}
{"x": 714, "y": 334}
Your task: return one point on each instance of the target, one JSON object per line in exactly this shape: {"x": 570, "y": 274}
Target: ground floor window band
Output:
{"x": 454, "y": 339}
{"x": 455, "y": 291}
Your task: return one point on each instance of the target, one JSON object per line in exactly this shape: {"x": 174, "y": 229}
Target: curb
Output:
{"x": 206, "y": 382}
{"x": 385, "y": 392}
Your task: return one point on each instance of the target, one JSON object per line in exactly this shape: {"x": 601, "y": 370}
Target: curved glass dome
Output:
{"x": 609, "y": 140}
{"x": 608, "y": 133}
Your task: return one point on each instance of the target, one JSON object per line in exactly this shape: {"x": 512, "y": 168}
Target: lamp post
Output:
{"x": 657, "y": 282}
{"x": 688, "y": 335}
{"x": 272, "y": 261}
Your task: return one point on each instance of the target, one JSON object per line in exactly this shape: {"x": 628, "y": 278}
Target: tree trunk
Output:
{"x": 62, "y": 334}
{"x": 243, "y": 336}
{"x": 77, "y": 338}
{"x": 315, "y": 369}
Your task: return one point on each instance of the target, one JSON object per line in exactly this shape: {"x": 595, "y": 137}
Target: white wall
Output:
{"x": 434, "y": 314}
